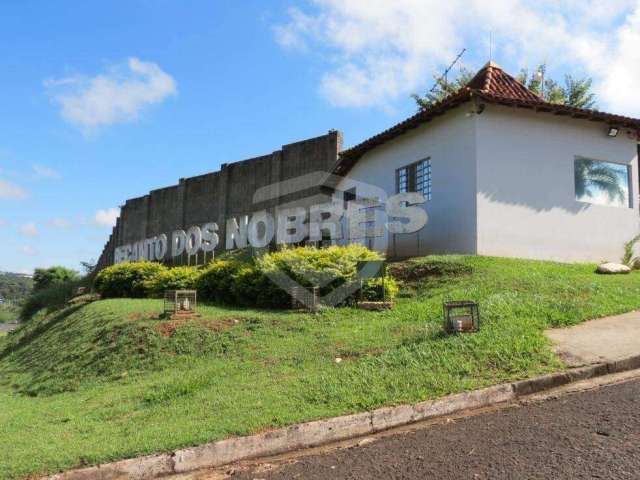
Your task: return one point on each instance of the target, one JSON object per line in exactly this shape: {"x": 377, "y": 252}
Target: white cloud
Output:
{"x": 28, "y": 250}
{"x": 107, "y": 217}
{"x": 29, "y": 229}
{"x": 622, "y": 71}
{"x": 292, "y": 35}
{"x": 12, "y": 191}
{"x": 43, "y": 171}
{"x": 59, "y": 223}
{"x": 113, "y": 97}
{"x": 378, "y": 51}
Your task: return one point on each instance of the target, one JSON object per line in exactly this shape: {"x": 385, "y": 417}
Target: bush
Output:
{"x": 177, "y": 278}
{"x": 252, "y": 287}
{"x": 310, "y": 266}
{"x": 44, "y": 278}
{"x": 372, "y": 289}
{"x": 51, "y": 298}
{"x": 242, "y": 279}
{"x": 215, "y": 282}
{"x": 328, "y": 268}
{"x": 127, "y": 279}
{"x": 629, "y": 252}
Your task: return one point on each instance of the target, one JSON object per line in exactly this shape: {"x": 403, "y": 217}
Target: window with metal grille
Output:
{"x": 415, "y": 178}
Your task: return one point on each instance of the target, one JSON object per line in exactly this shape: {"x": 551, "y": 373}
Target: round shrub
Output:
{"x": 176, "y": 278}
{"x": 127, "y": 279}
{"x": 252, "y": 287}
{"x": 255, "y": 281}
{"x": 215, "y": 282}
{"x": 324, "y": 267}
{"x": 328, "y": 268}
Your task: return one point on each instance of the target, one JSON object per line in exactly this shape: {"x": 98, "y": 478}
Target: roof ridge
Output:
{"x": 488, "y": 79}
{"x": 493, "y": 80}
{"x": 493, "y": 85}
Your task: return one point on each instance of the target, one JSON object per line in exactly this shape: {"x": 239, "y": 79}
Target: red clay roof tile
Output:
{"x": 492, "y": 85}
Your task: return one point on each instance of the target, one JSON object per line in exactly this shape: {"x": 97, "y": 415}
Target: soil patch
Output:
{"x": 168, "y": 329}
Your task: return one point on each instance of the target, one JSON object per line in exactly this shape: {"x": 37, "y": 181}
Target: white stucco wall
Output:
{"x": 450, "y": 143}
{"x": 526, "y": 202}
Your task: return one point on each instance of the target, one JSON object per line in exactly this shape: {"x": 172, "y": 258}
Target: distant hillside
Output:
{"x": 14, "y": 286}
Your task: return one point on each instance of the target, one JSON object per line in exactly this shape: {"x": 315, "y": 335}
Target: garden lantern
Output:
{"x": 461, "y": 316}
{"x": 180, "y": 303}
{"x": 305, "y": 298}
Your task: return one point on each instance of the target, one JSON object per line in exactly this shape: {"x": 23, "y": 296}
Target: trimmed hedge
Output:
{"x": 127, "y": 279}
{"x": 215, "y": 282}
{"x": 247, "y": 280}
{"x": 177, "y": 278}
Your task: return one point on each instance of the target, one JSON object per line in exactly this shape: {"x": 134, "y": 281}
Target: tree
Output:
{"x": 591, "y": 175}
{"x": 88, "y": 267}
{"x": 46, "y": 277}
{"x": 443, "y": 88}
{"x": 576, "y": 92}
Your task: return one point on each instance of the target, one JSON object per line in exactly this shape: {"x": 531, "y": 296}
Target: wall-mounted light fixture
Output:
{"x": 613, "y": 131}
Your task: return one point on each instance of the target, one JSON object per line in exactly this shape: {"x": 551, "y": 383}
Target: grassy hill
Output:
{"x": 111, "y": 380}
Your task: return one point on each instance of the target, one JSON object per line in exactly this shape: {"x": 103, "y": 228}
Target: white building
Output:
{"x": 507, "y": 174}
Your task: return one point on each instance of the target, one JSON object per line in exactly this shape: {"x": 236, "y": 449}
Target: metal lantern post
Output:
{"x": 461, "y": 316}
{"x": 305, "y": 298}
{"x": 180, "y": 303}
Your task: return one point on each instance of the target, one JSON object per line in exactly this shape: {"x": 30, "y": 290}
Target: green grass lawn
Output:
{"x": 109, "y": 380}
{"x": 8, "y": 315}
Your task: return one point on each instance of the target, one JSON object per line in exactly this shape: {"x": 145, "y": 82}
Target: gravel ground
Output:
{"x": 593, "y": 434}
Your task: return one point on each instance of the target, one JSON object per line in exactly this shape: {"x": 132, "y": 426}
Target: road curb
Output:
{"x": 321, "y": 432}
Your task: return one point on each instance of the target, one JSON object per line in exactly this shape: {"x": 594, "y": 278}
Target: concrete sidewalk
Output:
{"x": 596, "y": 341}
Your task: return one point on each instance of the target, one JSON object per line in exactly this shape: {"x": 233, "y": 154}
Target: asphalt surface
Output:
{"x": 587, "y": 435}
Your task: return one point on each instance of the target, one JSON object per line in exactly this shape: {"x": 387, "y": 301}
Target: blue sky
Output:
{"x": 102, "y": 101}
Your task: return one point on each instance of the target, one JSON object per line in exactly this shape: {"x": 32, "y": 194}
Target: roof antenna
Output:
{"x": 490, "y": 46}
{"x": 446, "y": 72}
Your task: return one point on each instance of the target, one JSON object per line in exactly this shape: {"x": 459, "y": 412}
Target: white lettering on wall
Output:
{"x": 293, "y": 225}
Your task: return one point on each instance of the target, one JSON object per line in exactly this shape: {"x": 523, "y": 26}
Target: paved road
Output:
{"x": 588, "y": 435}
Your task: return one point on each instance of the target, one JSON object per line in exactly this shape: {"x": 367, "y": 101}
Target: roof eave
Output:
{"x": 351, "y": 156}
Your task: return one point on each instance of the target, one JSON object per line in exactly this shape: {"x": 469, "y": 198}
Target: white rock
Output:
{"x": 613, "y": 268}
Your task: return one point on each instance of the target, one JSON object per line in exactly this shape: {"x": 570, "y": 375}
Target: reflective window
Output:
{"x": 423, "y": 178}
{"x": 415, "y": 178}
{"x": 602, "y": 183}
{"x": 403, "y": 180}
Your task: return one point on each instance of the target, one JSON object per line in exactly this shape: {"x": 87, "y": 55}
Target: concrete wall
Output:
{"x": 526, "y": 192}
{"x": 450, "y": 143}
{"x": 216, "y": 196}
